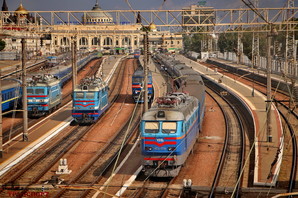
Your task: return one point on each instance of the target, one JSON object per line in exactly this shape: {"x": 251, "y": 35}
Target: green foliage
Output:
{"x": 2, "y": 45}
{"x": 193, "y": 42}
{"x": 227, "y": 42}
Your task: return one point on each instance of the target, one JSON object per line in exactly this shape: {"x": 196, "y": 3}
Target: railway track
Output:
{"x": 287, "y": 110}
{"x": 104, "y": 158}
{"x": 45, "y": 160}
{"x": 230, "y": 167}
{"x": 16, "y": 128}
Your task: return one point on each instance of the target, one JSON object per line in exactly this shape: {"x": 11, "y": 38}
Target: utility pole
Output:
{"x": 25, "y": 109}
{"x": 74, "y": 61}
{"x": 256, "y": 43}
{"x": 269, "y": 94}
{"x": 146, "y": 59}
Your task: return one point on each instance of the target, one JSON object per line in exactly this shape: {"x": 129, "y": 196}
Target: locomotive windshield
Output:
{"x": 151, "y": 127}
{"x": 89, "y": 95}
{"x": 39, "y": 91}
{"x": 137, "y": 80}
{"x": 79, "y": 95}
{"x": 35, "y": 91}
{"x": 30, "y": 91}
{"x": 169, "y": 127}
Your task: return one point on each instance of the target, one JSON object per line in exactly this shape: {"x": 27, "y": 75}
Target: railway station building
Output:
{"x": 96, "y": 31}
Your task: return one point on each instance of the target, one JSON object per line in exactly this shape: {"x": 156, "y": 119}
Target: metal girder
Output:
{"x": 220, "y": 20}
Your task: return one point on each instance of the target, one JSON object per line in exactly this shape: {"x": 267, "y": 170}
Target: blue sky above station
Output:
{"x": 81, "y": 5}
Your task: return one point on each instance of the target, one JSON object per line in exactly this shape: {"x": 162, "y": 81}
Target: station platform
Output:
{"x": 16, "y": 150}
{"x": 267, "y": 154}
{"x": 261, "y": 72}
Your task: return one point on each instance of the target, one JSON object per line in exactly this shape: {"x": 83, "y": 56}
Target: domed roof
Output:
{"x": 98, "y": 14}
{"x": 152, "y": 27}
{"x": 21, "y": 10}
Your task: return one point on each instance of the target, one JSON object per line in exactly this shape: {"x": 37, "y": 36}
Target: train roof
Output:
{"x": 10, "y": 83}
{"x": 91, "y": 84}
{"x": 191, "y": 80}
{"x": 140, "y": 72}
{"x": 45, "y": 80}
{"x": 174, "y": 106}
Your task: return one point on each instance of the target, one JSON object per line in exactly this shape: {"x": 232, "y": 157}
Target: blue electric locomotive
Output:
{"x": 170, "y": 128}
{"x": 90, "y": 100}
{"x": 52, "y": 61}
{"x": 11, "y": 93}
{"x": 138, "y": 85}
{"x": 136, "y": 54}
{"x": 44, "y": 95}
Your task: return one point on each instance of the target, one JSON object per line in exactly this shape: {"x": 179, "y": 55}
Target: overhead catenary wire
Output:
{"x": 124, "y": 139}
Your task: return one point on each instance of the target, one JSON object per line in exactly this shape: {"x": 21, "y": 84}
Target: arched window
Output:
{"x": 95, "y": 41}
{"x": 64, "y": 41}
{"x": 108, "y": 41}
{"x": 126, "y": 41}
{"x": 83, "y": 41}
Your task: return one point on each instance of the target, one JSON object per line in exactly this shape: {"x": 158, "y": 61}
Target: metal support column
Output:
{"x": 74, "y": 62}
{"x": 269, "y": 94}
{"x": 24, "y": 85}
{"x": 146, "y": 58}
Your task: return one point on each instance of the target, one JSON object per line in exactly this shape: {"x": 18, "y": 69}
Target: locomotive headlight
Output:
{"x": 148, "y": 148}
{"x": 92, "y": 107}
{"x": 30, "y": 100}
{"x": 171, "y": 148}
{"x": 76, "y": 107}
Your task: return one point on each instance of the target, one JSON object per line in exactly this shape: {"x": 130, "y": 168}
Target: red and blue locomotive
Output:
{"x": 90, "y": 100}
{"x": 138, "y": 85}
{"x": 43, "y": 95}
{"x": 170, "y": 128}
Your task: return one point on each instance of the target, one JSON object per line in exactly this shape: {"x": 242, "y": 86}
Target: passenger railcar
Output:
{"x": 11, "y": 93}
{"x": 170, "y": 128}
{"x": 138, "y": 85}
{"x": 43, "y": 95}
{"x": 90, "y": 100}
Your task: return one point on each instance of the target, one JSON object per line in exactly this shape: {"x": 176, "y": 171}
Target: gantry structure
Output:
{"x": 185, "y": 20}
{"x": 127, "y": 26}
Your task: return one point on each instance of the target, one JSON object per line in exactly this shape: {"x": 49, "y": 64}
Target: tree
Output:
{"x": 193, "y": 42}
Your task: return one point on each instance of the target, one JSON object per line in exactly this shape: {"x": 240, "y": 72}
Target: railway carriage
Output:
{"x": 90, "y": 100}
{"x": 137, "y": 85}
{"x": 170, "y": 128}
{"x": 44, "y": 95}
{"x": 11, "y": 93}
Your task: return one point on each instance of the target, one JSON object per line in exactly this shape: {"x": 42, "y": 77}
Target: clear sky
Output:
{"x": 81, "y": 5}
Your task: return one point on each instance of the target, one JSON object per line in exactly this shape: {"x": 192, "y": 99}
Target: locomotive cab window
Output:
{"x": 90, "y": 95}
{"x": 151, "y": 127}
{"x": 137, "y": 80}
{"x": 169, "y": 127}
{"x": 39, "y": 91}
{"x": 79, "y": 95}
{"x": 30, "y": 91}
